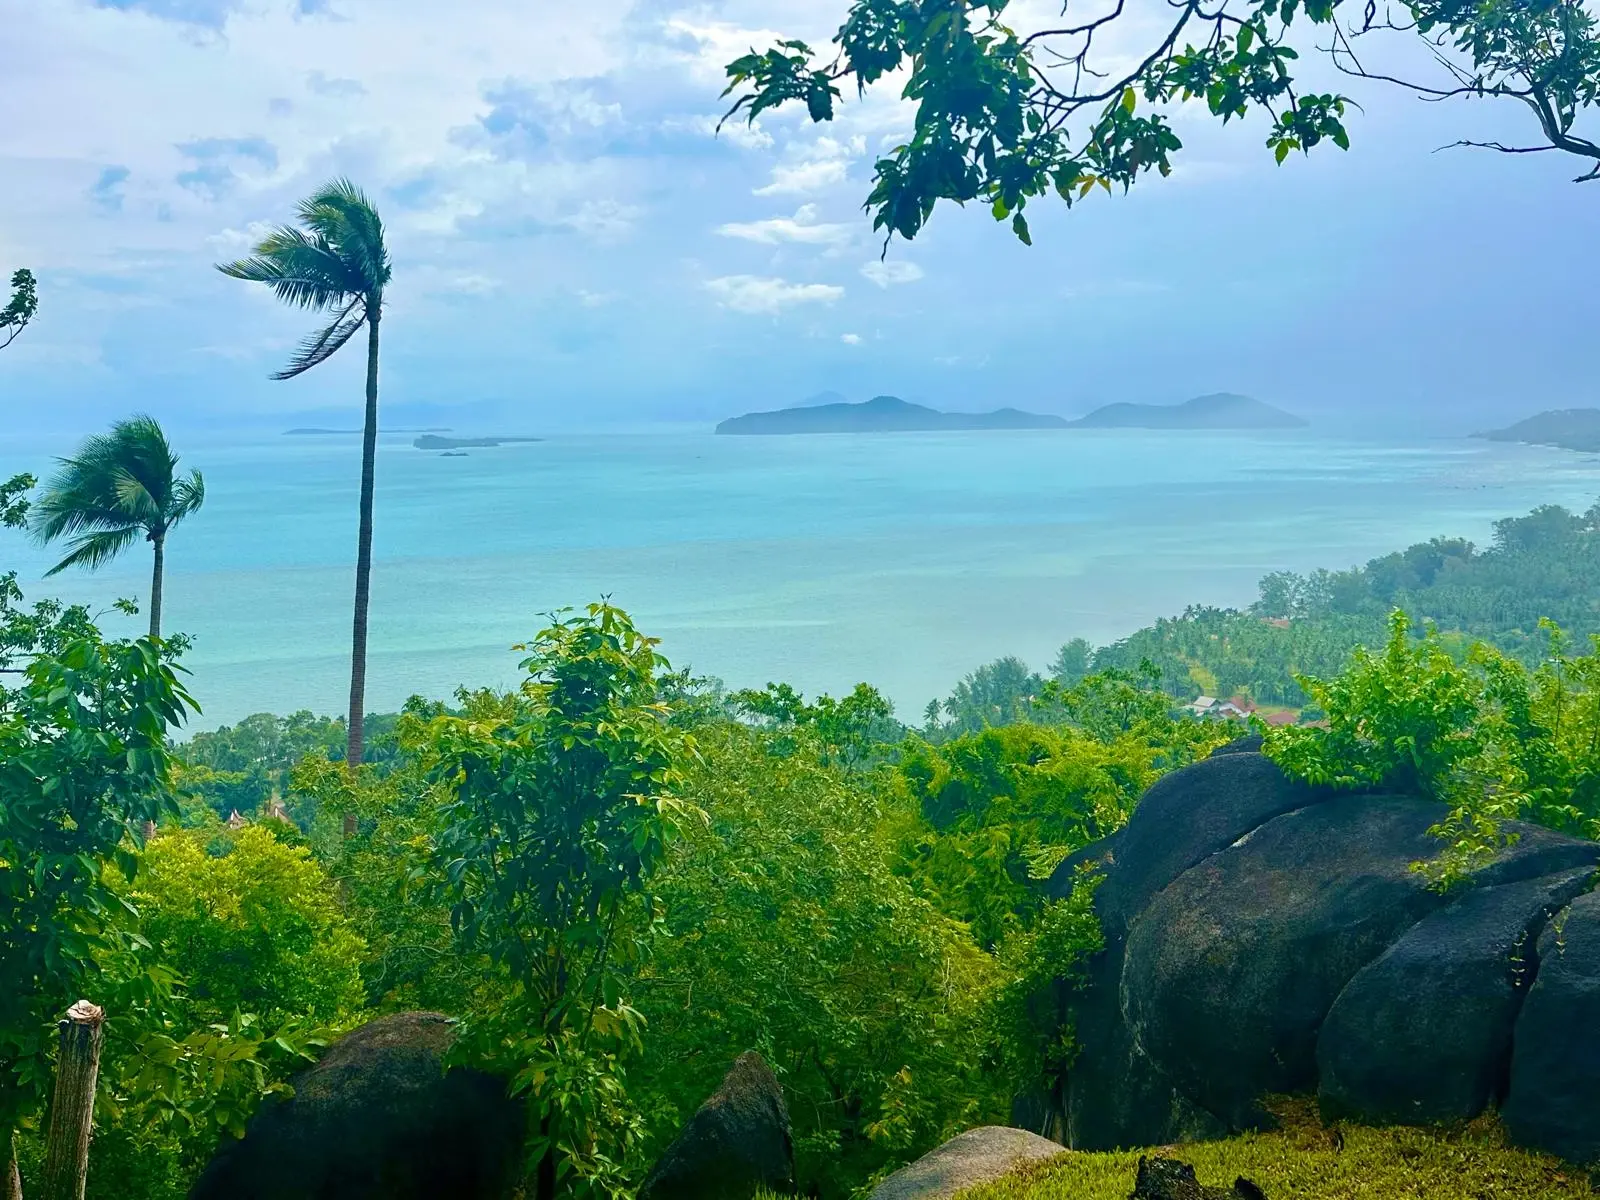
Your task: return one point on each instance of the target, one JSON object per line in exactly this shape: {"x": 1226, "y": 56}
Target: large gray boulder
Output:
{"x": 378, "y": 1118}
{"x": 1423, "y": 1033}
{"x": 1554, "y": 1096}
{"x": 1263, "y": 936}
{"x": 1184, "y": 818}
{"x": 977, "y": 1156}
{"x": 736, "y": 1142}
{"x": 1118, "y": 1096}
{"x": 1231, "y": 969}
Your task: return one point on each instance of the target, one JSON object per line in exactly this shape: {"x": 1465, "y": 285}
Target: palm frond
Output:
{"x": 63, "y": 512}
{"x": 188, "y": 494}
{"x": 136, "y": 499}
{"x": 120, "y": 484}
{"x": 340, "y": 213}
{"x": 302, "y": 271}
{"x": 320, "y": 347}
{"x": 337, "y": 262}
{"x": 94, "y": 550}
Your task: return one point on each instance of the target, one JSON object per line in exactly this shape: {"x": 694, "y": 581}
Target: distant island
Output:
{"x": 1222, "y": 410}
{"x": 430, "y": 442}
{"x": 881, "y": 414}
{"x": 313, "y": 432}
{"x": 1568, "y": 428}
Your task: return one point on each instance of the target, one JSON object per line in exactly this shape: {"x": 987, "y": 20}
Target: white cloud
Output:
{"x": 850, "y": 339}
{"x": 799, "y": 178}
{"x": 755, "y": 294}
{"x": 383, "y": 109}
{"x": 468, "y": 283}
{"x": 603, "y": 220}
{"x": 887, "y": 273}
{"x": 744, "y": 135}
{"x": 803, "y": 227}
{"x": 594, "y": 299}
{"x": 705, "y": 47}
{"x": 814, "y": 166}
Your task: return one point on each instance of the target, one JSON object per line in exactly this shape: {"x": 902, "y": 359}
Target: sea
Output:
{"x": 901, "y": 560}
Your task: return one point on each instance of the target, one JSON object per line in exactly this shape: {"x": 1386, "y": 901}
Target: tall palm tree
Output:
{"x": 335, "y": 264}
{"x": 118, "y": 486}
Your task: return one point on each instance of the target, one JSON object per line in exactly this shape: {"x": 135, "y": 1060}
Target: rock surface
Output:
{"x": 1263, "y": 936}
{"x": 1406, "y": 1039}
{"x": 736, "y": 1142}
{"x": 1231, "y": 969}
{"x": 378, "y": 1118}
{"x": 976, "y": 1156}
{"x": 1555, "y": 1066}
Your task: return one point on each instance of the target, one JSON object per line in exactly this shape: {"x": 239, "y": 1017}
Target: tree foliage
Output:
{"x": 1485, "y": 734}
{"x": 1001, "y": 807}
{"x": 560, "y": 800}
{"x": 251, "y": 923}
{"x": 1538, "y": 566}
{"x": 83, "y": 764}
{"x": 1007, "y": 115}
{"x": 788, "y": 930}
{"x": 20, "y": 309}
{"x": 1543, "y": 55}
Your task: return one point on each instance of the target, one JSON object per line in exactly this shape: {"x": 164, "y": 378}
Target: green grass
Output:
{"x": 1300, "y": 1161}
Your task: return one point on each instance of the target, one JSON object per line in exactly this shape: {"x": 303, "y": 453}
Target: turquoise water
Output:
{"x": 903, "y": 560}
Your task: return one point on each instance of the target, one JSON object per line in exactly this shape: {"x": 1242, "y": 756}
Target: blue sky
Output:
{"x": 576, "y": 250}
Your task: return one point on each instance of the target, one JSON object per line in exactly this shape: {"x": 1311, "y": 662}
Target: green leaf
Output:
{"x": 1019, "y": 226}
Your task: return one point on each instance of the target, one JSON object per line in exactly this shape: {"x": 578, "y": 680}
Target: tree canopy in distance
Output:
{"x": 1004, "y": 116}
{"x": 19, "y": 310}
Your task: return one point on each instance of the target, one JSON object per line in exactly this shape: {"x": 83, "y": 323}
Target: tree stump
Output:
{"x": 66, "y": 1147}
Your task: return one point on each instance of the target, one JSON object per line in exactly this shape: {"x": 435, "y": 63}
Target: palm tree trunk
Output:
{"x": 155, "y": 585}
{"x": 358, "y": 640}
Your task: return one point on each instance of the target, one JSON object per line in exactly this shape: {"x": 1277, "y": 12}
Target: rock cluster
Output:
{"x": 1266, "y": 937}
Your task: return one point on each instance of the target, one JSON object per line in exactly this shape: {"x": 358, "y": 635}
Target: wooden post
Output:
{"x": 66, "y": 1147}
{"x": 13, "y": 1175}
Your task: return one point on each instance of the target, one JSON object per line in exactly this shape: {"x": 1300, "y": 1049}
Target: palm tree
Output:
{"x": 336, "y": 264}
{"x": 119, "y": 485}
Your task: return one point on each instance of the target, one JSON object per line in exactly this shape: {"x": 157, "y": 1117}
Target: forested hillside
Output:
{"x": 1542, "y": 567}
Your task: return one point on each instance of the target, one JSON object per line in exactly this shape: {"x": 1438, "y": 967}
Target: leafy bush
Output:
{"x": 250, "y": 924}
{"x": 788, "y": 932}
{"x": 83, "y": 765}
{"x": 558, "y": 802}
{"x": 1487, "y": 735}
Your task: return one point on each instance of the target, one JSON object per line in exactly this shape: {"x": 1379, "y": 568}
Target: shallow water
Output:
{"x": 904, "y": 560}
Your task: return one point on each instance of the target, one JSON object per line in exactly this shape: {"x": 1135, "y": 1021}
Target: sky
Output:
{"x": 576, "y": 248}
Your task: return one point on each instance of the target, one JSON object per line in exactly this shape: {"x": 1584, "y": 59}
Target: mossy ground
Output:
{"x": 1305, "y": 1160}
